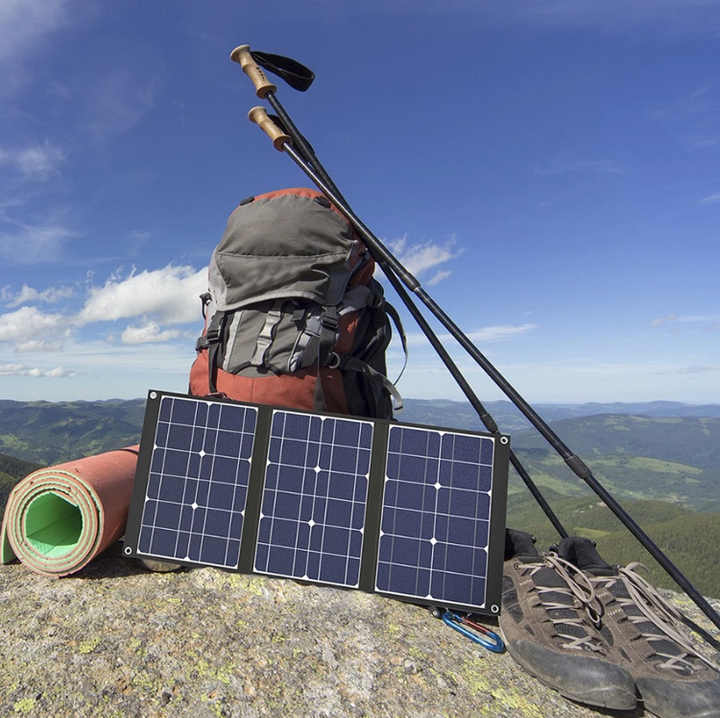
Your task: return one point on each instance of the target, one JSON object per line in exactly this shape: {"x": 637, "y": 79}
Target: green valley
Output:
{"x": 689, "y": 538}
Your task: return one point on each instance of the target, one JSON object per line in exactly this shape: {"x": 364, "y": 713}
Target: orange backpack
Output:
{"x": 293, "y": 316}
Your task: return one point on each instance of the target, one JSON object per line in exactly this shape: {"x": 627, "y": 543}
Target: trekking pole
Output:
{"x": 574, "y": 462}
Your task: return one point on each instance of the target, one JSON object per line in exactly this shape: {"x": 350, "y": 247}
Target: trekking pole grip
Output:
{"x": 259, "y": 116}
{"x": 263, "y": 86}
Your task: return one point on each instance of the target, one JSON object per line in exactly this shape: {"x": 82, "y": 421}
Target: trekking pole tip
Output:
{"x": 263, "y": 86}
{"x": 259, "y": 116}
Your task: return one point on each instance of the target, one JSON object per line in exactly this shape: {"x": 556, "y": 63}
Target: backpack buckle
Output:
{"x": 329, "y": 321}
{"x": 212, "y": 335}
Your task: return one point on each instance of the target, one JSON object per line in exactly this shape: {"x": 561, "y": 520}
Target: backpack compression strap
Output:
{"x": 211, "y": 341}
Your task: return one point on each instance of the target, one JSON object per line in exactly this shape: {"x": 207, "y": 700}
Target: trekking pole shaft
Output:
{"x": 575, "y": 463}
{"x": 301, "y": 144}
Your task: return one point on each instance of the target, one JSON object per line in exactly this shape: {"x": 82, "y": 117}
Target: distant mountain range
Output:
{"x": 660, "y": 459}
{"x": 656, "y": 450}
{"x": 461, "y": 415}
{"x": 50, "y": 431}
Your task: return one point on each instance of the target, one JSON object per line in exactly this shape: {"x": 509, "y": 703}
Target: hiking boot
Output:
{"x": 674, "y": 680}
{"x": 549, "y": 621}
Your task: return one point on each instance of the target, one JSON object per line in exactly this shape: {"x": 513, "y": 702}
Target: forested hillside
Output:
{"x": 689, "y": 538}
{"x": 48, "y": 432}
{"x": 636, "y": 457}
{"x": 11, "y": 470}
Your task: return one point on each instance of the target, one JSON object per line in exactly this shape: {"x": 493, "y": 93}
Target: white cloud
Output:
{"x": 119, "y": 102}
{"x": 500, "y": 332}
{"x": 485, "y": 335}
{"x": 438, "y": 277}
{"x": 36, "y": 162}
{"x": 23, "y": 25}
{"x": 663, "y": 320}
{"x": 22, "y": 370}
{"x": 39, "y": 345}
{"x": 418, "y": 258}
{"x": 686, "y": 319}
{"x": 168, "y": 295}
{"x": 29, "y": 294}
{"x": 27, "y": 244}
{"x": 59, "y": 371}
{"x": 27, "y": 323}
{"x": 711, "y": 199}
{"x": 149, "y": 333}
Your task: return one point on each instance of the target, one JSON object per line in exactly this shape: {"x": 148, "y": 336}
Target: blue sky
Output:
{"x": 550, "y": 170}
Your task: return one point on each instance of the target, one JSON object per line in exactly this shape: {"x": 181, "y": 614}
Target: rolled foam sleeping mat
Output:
{"x": 60, "y": 518}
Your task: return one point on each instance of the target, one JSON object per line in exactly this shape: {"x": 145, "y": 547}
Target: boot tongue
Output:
{"x": 520, "y": 545}
{"x": 582, "y": 553}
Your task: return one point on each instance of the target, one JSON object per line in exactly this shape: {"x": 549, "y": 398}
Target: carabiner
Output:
{"x": 493, "y": 642}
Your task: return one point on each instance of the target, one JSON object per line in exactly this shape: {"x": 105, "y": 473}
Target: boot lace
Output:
{"x": 656, "y": 610}
{"x": 579, "y": 588}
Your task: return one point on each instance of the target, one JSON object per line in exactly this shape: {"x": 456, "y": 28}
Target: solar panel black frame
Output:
{"x": 374, "y": 499}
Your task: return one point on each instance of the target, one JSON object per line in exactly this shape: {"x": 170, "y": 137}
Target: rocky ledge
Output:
{"x": 117, "y": 640}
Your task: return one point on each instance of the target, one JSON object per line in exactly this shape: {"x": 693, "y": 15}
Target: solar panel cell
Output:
{"x": 313, "y": 506}
{"x": 435, "y": 515}
{"x": 198, "y": 480}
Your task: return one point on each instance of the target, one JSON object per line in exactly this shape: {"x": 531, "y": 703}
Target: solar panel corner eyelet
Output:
{"x": 494, "y": 608}
{"x": 127, "y": 550}
{"x": 504, "y": 440}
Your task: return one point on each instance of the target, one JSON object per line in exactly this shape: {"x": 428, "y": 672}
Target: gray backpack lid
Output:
{"x": 287, "y": 244}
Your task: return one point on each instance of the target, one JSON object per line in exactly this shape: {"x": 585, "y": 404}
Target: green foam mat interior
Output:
{"x": 53, "y": 525}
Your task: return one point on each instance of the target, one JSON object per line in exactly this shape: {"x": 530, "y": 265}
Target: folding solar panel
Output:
{"x": 409, "y": 511}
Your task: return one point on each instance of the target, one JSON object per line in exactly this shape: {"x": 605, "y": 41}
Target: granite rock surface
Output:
{"x": 117, "y": 640}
